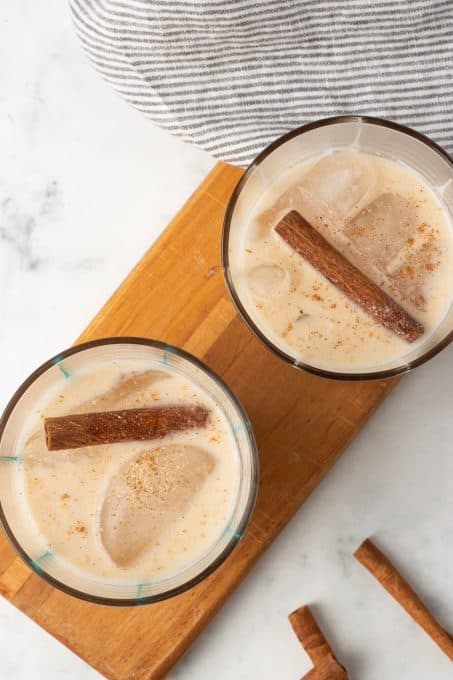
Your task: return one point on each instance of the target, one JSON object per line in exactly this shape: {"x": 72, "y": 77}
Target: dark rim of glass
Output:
{"x": 127, "y": 340}
{"x": 337, "y": 375}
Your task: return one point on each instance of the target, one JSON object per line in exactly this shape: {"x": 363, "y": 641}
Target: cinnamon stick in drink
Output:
{"x": 383, "y": 570}
{"x": 310, "y": 244}
{"x": 326, "y": 665}
{"x": 108, "y": 427}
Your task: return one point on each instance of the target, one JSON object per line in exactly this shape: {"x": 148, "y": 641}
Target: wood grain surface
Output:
{"x": 302, "y": 423}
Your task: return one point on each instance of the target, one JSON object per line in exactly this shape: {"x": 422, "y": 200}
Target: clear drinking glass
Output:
{"x": 359, "y": 133}
{"x": 13, "y": 510}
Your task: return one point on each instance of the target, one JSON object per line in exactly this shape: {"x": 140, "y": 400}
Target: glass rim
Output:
{"x": 246, "y": 318}
{"x": 235, "y": 536}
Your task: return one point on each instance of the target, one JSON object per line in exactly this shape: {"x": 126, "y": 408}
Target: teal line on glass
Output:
{"x": 13, "y": 459}
{"x": 165, "y": 356}
{"x": 232, "y": 532}
{"x": 64, "y": 370}
{"x": 242, "y": 427}
{"x": 36, "y": 563}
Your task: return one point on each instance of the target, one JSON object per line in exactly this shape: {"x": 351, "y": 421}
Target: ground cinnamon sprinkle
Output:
{"x": 318, "y": 334}
{"x": 287, "y": 330}
{"x": 65, "y": 496}
{"x": 409, "y": 271}
{"x": 146, "y": 479}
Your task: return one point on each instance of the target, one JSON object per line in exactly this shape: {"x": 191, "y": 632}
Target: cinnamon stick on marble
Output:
{"x": 383, "y": 570}
{"x": 310, "y": 244}
{"x": 108, "y": 427}
{"x": 328, "y": 669}
{"x": 326, "y": 665}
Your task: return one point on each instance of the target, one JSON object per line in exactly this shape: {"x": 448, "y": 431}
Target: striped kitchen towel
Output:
{"x": 232, "y": 75}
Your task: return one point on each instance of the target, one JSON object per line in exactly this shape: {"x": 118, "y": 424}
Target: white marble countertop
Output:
{"x": 86, "y": 184}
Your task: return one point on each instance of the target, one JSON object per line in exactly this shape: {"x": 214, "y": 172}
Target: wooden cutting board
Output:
{"x": 302, "y": 423}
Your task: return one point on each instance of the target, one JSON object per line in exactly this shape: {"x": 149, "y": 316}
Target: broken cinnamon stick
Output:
{"x": 383, "y": 570}
{"x": 328, "y": 669}
{"x": 326, "y": 665}
{"x": 310, "y": 244}
{"x": 108, "y": 427}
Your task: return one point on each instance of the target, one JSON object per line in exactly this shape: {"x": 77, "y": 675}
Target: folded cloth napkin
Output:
{"x": 232, "y": 75}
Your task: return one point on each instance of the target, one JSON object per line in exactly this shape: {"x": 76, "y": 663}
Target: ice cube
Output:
{"x": 123, "y": 393}
{"x": 295, "y": 198}
{"x": 148, "y": 495}
{"x": 268, "y": 280}
{"x": 342, "y": 182}
{"x": 411, "y": 270}
{"x": 381, "y": 229}
{"x": 336, "y": 188}
{"x": 389, "y": 236}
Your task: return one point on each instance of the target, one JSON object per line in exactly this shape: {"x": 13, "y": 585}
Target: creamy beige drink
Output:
{"x": 137, "y": 510}
{"x": 384, "y": 218}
